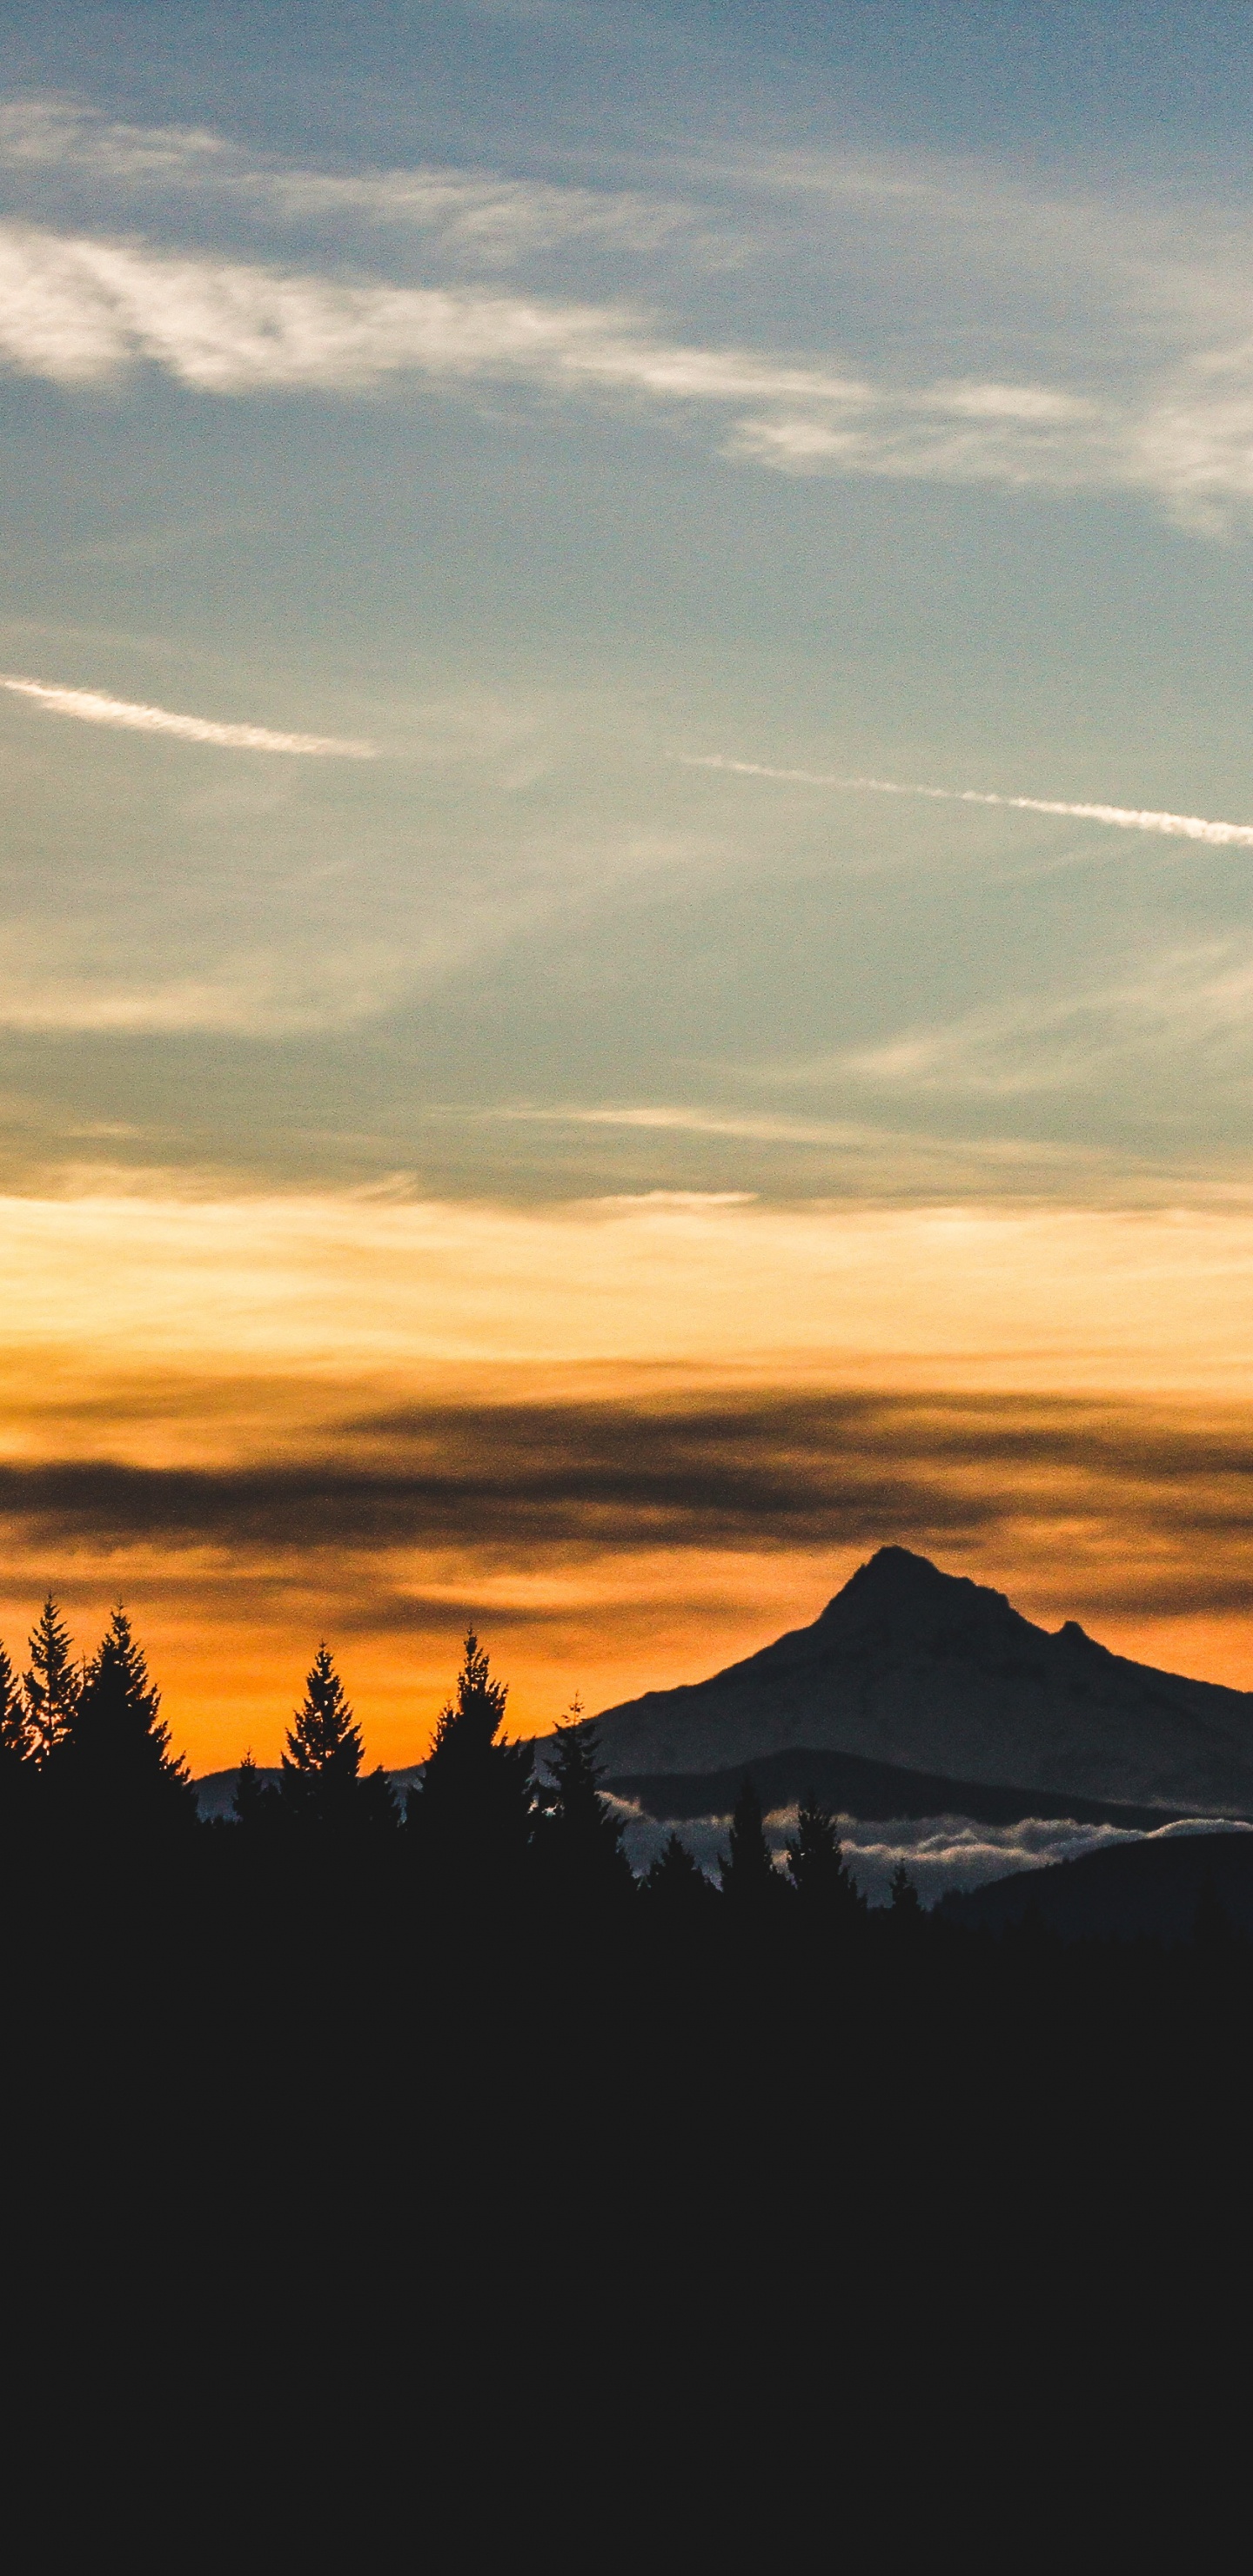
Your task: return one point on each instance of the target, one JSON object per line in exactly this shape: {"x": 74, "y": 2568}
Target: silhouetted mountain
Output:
{"x": 871, "y": 1791}
{"x": 1164, "y": 1890}
{"x": 215, "y": 1792}
{"x": 929, "y": 1672}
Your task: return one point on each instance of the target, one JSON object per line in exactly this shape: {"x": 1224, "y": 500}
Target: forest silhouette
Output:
{"x": 483, "y": 1840}
{"x": 451, "y": 2071}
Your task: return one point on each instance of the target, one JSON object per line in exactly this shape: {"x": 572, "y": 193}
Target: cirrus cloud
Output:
{"x": 479, "y": 215}
{"x": 1126, "y": 818}
{"x": 1159, "y": 365}
{"x": 81, "y": 310}
{"x": 92, "y": 706}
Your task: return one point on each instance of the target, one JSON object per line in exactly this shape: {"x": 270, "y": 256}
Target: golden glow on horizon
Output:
{"x": 1119, "y": 1301}
{"x": 241, "y": 1337}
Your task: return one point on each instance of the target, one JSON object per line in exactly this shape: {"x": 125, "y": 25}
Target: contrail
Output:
{"x": 1125, "y": 818}
{"x": 93, "y": 708}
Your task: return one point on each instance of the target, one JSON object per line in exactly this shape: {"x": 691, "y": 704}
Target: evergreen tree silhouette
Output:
{"x": 905, "y": 1900}
{"x": 377, "y": 1809}
{"x": 471, "y": 1821}
{"x": 580, "y": 1836}
{"x": 750, "y": 1881}
{"x": 53, "y": 1685}
{"x": 16, "y": 1745}
{"x": 675, "y": 1888}
{"x": 318, "y": 1779}
{"x": 817, "y": 1869}
{"x": 252, "y": 1798}
{"x": 114, "y": 1761}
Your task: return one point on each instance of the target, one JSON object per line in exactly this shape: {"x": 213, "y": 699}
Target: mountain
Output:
{"x": 929, "y": 1672}
{"x": 1160, "y": 1889}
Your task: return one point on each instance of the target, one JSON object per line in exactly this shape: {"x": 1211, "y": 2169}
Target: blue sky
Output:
{"x": 551, "y": 394}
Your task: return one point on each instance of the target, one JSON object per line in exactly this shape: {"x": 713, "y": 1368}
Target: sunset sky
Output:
{"x": 504, "y": 1118}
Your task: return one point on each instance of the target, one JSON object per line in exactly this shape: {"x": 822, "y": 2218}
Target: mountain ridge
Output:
{"x": 931, "y": 1672}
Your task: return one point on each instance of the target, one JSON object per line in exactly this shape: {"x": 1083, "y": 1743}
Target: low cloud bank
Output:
{"x": 943, "y": 1854}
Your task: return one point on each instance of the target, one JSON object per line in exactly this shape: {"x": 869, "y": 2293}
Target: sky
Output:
{"x": 512, "y": 1108}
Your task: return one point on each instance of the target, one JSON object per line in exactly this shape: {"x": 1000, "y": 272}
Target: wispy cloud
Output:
{"x": 1016, "y": 435}
{"x": 479, "y": 215}
{"x": 57, "y": 134}
{"x": 1142, "y": 1027}
{"x": 91, "y": 706}
{"x": 1154, "y": 338}
{"x": 682, "y": 1120}
{"x": 885, "y": 1161}
{"x": 1124, "y": 818}
{"x": 80, "y": 310}
{"x": 250, "y": 995}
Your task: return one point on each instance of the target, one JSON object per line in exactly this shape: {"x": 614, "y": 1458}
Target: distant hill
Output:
{"x": 215, "y": 1790}
{"x": 1153, "y": 1889}
{"x": 874, "y": 1792}
{"x": 931, "y": 1673}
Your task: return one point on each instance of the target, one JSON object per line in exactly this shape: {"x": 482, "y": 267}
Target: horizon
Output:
{"x": 628, "y": 834}
{"x": 589, "y": 1717}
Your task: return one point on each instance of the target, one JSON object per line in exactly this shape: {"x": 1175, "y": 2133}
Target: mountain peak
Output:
{"x": 895, "y": 1584}
{"x": 934, "y": 1673}
{"x": 898, "y": 1570}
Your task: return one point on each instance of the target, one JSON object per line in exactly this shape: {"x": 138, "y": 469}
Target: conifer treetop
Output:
{"x": 111, "y": 1768}
{"x": 16, "y": 1732}
{"x": 474, "y": 1815}
{"x": 52, "y": 1685}
{"x": 324, "y": 1737}
{"x": 476, "y": 1712}
{"x": 117, "y": 1720}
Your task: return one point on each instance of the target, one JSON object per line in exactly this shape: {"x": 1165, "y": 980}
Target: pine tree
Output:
{"x": 904, "y": 1894}
{"x": 252, "y": 1799}
{"x": 318, "y": 1780}
{"x": 471, "y": 1821}
{"x": 114, "y": 1760}
{"x": 16, "y": 1745}
{"x": 675, "y": 1888}
{"x": 817, "y": 1869}
{"x": 750, "y": 1881}
{"x": 580, "y": 1837}
{"x": 53, "y": 1685}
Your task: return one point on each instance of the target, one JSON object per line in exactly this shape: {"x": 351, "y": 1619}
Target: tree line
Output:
{"x": 85, "y": 1742}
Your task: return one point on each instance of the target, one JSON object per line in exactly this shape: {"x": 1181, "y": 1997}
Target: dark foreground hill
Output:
{"x": 931, "y": 1673}
{"x": 1160, "y": 1890}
